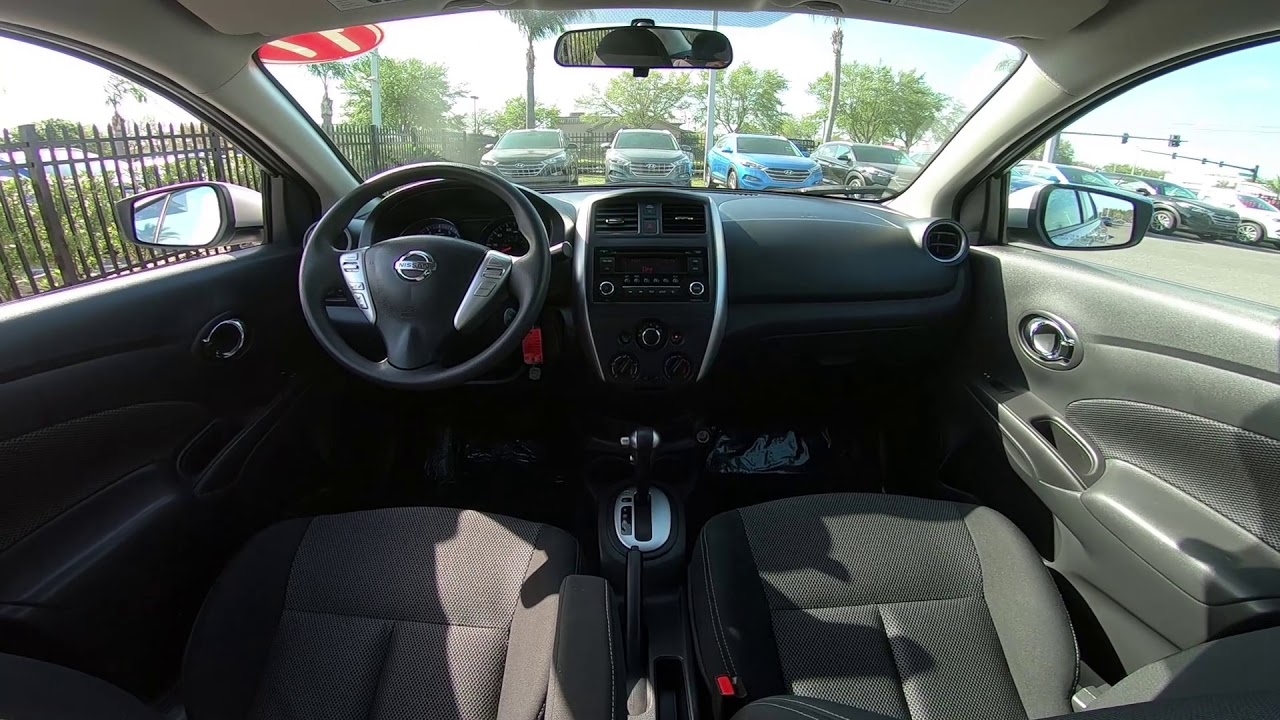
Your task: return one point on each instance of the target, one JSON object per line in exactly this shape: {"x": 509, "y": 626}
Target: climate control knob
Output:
{"x": 607, "y": 288}
{"x": 651, "y": 336}
{"x": 697, "y": 289}
{"x": 677, "y": 367}
{"x": 624, "y": 367}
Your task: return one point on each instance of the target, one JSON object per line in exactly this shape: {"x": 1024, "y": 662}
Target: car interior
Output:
{"x": 653, "y": 452}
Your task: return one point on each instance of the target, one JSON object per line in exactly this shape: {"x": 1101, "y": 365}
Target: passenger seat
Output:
{"x": 898, "y": 607}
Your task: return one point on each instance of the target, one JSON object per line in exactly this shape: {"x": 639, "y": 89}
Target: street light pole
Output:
{"x": 475, "y": 116}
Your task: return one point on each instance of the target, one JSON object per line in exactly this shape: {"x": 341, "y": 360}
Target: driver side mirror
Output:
{"x": 1078, "y": 217}
{"x": 191, "y": 215}
{"x": 727, "y": 151}
{"x": 606, "y": 146}
{"x": 489, "y": 146}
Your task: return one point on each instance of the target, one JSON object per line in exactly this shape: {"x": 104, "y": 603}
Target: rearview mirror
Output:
{"x": 1078, "y": 217}
{"x": 191, "y": 215}
{"x": 644, "y": 46}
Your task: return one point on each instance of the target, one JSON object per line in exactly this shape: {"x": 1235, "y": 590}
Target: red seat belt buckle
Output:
{"x": 724, "y": 684}
{"x": 532, "y": 346}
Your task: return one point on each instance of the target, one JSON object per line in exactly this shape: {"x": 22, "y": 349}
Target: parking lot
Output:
{"x": 1249, "y": 272}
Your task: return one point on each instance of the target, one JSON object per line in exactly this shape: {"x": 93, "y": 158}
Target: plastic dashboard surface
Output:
{"x": 796, "y": 265}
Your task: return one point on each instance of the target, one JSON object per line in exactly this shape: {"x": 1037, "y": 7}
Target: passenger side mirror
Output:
{"x": 686, "y": 148}
{"x": 571, "y": 146}
{"x": 1078, "y": 217}
{"x": 191, "y": 215}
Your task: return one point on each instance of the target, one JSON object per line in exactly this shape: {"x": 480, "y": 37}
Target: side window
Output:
{"x": 66, "y": 157}
{"x": 1215, "y": 160}
{"x": 824, "y": 151}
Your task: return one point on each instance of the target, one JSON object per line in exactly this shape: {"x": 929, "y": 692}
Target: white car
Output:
{"x": 1259, "y": 219}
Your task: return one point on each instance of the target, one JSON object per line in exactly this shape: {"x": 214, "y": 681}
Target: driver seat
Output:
{"x": 402, "y": 612}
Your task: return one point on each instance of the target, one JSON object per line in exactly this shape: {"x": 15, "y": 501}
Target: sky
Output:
{"x": 1226, "y": 109}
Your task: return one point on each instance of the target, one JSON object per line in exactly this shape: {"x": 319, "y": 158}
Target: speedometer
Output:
{"x": 433, "y": 226}
{"x": 505, "y": 236}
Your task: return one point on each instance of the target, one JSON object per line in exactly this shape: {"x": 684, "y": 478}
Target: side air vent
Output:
{"x": 945, "y": 241}
{"x": 684, "y": 219}
{"x": 618, "y": 217}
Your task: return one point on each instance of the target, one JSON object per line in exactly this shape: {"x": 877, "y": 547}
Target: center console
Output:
{"x": 651, "y": 286}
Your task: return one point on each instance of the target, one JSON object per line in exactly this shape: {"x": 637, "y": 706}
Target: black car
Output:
{"x": 1178, "y": 209}
{"x": 860, "y": 165}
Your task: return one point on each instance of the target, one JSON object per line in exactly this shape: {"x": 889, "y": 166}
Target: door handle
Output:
{"x": 1050, "y": 341}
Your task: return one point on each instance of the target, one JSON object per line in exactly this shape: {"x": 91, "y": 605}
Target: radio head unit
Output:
{"x": 650, "y": 275}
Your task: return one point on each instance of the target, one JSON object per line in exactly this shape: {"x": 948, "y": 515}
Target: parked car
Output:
{"x": 760, "y": 162}
{"x": 538, "y": 158}
{"x": 1259, "y": 219}
{"x": 1178, "y": 209}
{"x": 1059, "y": 173}
{"x": 649, "y": 157}
{"x": 861, "y": 165}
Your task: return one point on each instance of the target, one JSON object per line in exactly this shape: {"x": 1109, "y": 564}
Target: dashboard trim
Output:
{"x": 583, "y": 254}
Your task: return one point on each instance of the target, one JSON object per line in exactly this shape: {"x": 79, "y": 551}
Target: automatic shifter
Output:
{"x": 642, "y": 514}
{"x": 642, "y": 443}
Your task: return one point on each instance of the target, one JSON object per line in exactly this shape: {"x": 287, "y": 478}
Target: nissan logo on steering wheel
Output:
{"x": 415, "y": 265}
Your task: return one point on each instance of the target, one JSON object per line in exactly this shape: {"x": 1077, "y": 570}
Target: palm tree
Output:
{"x": 117, "y": 89}
{"x": 837, "y": 49}
{"x": 540, "y": 25}
{"x": 328, "y": 71}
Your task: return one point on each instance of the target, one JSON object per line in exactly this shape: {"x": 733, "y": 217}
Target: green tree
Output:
{"x": 55, "y": 128}
{"x": 1127, "y": 169}
{"x": 328, "y": 72}
{"x": 801, "y": 127}
{"x": 1273, "y": 184}
{"x": 747, "y": 100}
{"x": 414, "y": 94}
{"x": 118, "y": 90}
{"x": 539, "y": 25}
{"x": 953, "y": 113}
{"x": 1066, "y": 154}
{"x": 639, "y": 102}
{"x": 919, "y": 106}
{"x": 867, "y": 102}
{"x": 512, "y": 116}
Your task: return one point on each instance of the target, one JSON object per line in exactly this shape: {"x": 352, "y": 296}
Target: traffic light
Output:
{"x": 1124, "y": 139}
{"x": 1175, "y": 141}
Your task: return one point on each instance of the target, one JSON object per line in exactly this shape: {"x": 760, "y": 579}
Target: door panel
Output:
{"x": 1155, "y": 449}
{"x": 114, "y": 514}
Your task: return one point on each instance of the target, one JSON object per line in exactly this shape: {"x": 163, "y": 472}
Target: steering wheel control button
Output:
{"x": 356, "y": 285}
{"x": 415, "y": 266}
{"x": 624, "y": 366}
{"x": 697, "y": 289}
{"x": 361, "y": 302}
{"x": 484, "y": 287}
{"x": 607, "y": 288}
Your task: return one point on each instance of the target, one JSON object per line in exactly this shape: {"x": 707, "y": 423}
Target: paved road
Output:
{"x": 1250, "y": 272}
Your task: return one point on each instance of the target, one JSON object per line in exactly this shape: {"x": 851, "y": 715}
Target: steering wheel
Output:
{"x": 419, "y": 290}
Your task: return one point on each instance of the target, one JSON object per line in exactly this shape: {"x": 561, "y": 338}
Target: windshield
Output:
{"x": 645, "y": 141}
{"x": 1084, "y": 177}
{"x": 529, "y": 141}
{"x": 1175, "y": 191}
{"x": 453, "y": 87}
{"x": 766, "y": 146}
{"x": 884, "y": 155}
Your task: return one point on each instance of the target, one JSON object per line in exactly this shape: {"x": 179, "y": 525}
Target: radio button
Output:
{"x": 697, "y": 289}
{"x": 695, "y": 264}
{"x": 607, "y": 288}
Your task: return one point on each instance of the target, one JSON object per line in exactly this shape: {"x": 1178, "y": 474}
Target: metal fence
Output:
{"x": 58, "y": 186}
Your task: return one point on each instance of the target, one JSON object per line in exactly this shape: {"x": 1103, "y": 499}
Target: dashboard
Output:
{"x": 652, "y": 282}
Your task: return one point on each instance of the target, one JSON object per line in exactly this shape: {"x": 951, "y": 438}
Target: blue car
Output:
{"x": 760, "y": 162}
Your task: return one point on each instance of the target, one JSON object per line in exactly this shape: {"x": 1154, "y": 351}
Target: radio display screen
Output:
{"x": 653, "y": 265}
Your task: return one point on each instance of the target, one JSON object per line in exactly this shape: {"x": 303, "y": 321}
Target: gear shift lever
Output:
{"x": 642, "y": 443}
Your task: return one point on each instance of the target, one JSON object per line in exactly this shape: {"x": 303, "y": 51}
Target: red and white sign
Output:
{"x": 321, "y": 47}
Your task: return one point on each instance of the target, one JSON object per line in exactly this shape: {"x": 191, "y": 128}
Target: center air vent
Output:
{"x": 684, "y": 219}
{"x": 945, "y": 241}
{"x": 618, "y": 217}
